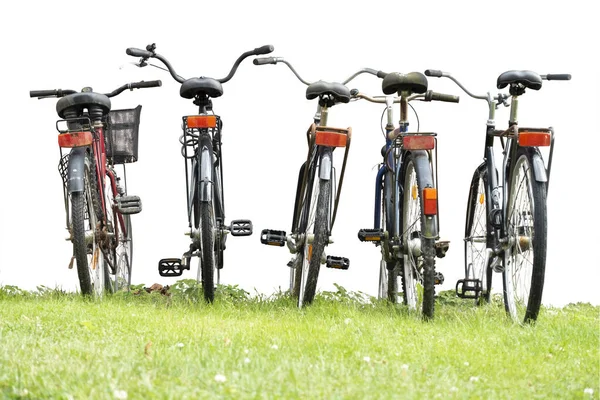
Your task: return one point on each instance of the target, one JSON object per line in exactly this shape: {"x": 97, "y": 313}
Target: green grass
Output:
{"x": 60, "y": 346}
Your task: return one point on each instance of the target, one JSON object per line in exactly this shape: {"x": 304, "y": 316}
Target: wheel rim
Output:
{"x": 519, "y": 257}
{"x": 307, "y": 246}
{"x": 123, "y": 255}
{"x": 476, "y": 240}
{"x": 411, "y": 228}
{"x": 95, "y": 256}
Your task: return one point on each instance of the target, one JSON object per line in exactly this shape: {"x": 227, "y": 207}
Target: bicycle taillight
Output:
{"x": 75, "y": 139}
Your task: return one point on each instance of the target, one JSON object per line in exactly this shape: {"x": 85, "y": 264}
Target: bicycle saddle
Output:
{"x": 82, "y": 100}
{"x": 340, "y": 92}
{"x": 529, "y": 79}
{"x": 414, "y": 82}
{"x": 193, "y": 86}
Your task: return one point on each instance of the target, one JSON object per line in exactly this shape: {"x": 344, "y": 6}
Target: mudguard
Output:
{"x": 424, "y": 180}
{"x": 205, "y": 180}
{"x": 76, "y": 170}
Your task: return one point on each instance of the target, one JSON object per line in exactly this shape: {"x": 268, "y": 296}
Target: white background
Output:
{"x": 69, "y": 45}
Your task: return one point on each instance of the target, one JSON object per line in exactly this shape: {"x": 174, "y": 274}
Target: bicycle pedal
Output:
{"x": 337, "y": 262}
{"x": 129, "y": 204}
{"x": 438, "y": 278}
{"x": 171, "y": 267}
{"x": 370, "y": 235}
{"x": 469, "y": 288}
{"x": 441, "y": 248}
{"x": 241, "y": 227}
{"x": 272, "y": 237}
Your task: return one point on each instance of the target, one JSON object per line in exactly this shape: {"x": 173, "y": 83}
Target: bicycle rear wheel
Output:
{"x": 85, "y": 232}
{"x": 477, "y": 229}
{"x": 525, "y": 259}
{"x": 419, "y": 250}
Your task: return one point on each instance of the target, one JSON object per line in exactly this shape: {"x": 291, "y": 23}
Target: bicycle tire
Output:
{"x": 388, "y": 270}
{"x": 419, "y": 251}
{"x": 124, "y": 257}
{"x": 477, "y": 233}
{"x": 85, "y": 206}
{"x": 205, "y": 213}
{"x": 525, "y": 260}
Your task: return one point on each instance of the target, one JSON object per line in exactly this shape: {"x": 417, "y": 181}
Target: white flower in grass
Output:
{"x": 246, "y": 351}
{"x": 246, "y": 360}
{"x": 274, "y": 347}
{"x": 220, "y": 378}
{"x": 347, "y": 321}
{"x": 466, "y": 363}
{"x": 180, "y": 345}
{"x": 367, "y": 359}
{"x": 454, "y": 389}
{"x": 474, "y": 378}
{"x": 589, "y": 391}
{"x": 404, "y": 367}
{"x": 120, "y": 394}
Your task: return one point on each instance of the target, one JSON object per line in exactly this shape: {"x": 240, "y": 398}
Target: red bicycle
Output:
{"x": 97, "y": 206}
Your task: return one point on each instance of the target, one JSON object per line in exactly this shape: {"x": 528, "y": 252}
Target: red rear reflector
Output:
{"x": 430, "y": 201}
{"x": 332, "y": 139}
{"x": 75, "y": 139}
{"x": 418, "y": 142}
{"x": 535, "y": 139}
{"x": 201, "y": 121}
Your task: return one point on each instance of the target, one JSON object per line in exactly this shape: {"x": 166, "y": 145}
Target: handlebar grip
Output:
{"x": 144, "y": 84}
{"x": 43, "y": 93}
{"x": 433, "y": 72}
{"x": 266, "y": 49}
{"x": 444, "y": 97}
{"x": 381, "y": 74}
{"x": 264, "y": 60}
{"x": 134, "y": 52}
{"x": 558, "y": 77}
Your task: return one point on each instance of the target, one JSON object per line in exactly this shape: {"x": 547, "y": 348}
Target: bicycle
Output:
{"x": 406, "y": 218}
{"x": 317, "y": 197}
{"x": 97, "y": 207}
{"x": 203, "y": 158}
{"x": 506, "y": 226}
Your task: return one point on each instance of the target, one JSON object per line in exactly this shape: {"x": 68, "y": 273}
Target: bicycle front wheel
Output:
{"x": 525, "y": 259}
{"x": 418, "y": 245}
{"x": 85, "y": 232}
{"x": 477, "y": 230}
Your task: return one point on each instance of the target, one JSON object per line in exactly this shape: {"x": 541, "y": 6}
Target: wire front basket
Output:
{"x": 121, "y": 135}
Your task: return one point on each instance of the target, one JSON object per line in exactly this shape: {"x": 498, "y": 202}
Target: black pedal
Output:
{"x": 370, "y": 235}
{"x": 438, "y": 278}
{"x": 171, "y": 267}
{"x": 129, "y": 204}
{"x": 469, "y": 288}
{"x": 241, "y": 227}
{"x": 272, "y": 237}
{"x": 441, "y": 248}
{"x": 338, "y": 262}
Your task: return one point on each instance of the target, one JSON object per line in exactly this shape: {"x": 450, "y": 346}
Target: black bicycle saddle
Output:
{"x": 340, "y": 92}
{"x": 414, "y": 82}
{"x": 194, "y": 86}
{"x": 529, "y": 79}
{"x": 82, "y": 100}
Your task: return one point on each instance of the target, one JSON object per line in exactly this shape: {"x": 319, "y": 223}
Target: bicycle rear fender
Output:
{"x": 76, "y": 170}
{"x": 325, "y": 165}
{"x": 539, "y": 168}
{"x": 205, "y": 179}
{"x": 424, "y": 180}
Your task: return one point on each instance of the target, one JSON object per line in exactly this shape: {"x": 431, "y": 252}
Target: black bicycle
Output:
{"x": 406, "y": 218}
{"x": 97, "y": 205}
{"x": 317, "y": 195}
{"x": 506, "y": 222}
{"x": 203, "y": 158}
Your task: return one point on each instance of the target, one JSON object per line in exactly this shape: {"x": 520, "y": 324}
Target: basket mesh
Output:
{"x": 121, "y": 135}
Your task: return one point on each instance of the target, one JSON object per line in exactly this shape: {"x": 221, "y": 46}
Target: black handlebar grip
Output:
{"x": 266, "y": 49}
{"x": 381, "y": 74}
{"x": 143, "y": 84}
{"x": 558, "y": 77}
{"x": 132, "y": 51}
{"x": 444, "y": 97}
{"x": 433, "y": 72}
{"x": 264, "y": 60}
{"x": 43, "y": 93}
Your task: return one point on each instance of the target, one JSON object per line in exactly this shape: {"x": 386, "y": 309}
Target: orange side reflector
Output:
{"x": 418, "y": 142}
{"x": 332, "y": 139}
{"x": 75, "y": 139}
{"x": 529, "y": 139}
{"x": 481, "y": 198}
{"x": 430, "y": 201}
{"x": 202, "y": 121}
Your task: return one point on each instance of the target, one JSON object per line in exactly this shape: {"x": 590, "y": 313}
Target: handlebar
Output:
{"x": 41, "y": 94}
{"x": 150, "y": 53}
{"x": 275, "y": 60}
{"x": 427, "y": 96}
{"x": 557, "y": 77}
